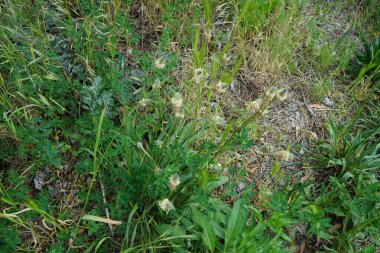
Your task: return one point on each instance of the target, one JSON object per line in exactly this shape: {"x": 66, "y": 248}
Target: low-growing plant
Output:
{"x": 367, "y": 61}
{"x": 116, "y": 137}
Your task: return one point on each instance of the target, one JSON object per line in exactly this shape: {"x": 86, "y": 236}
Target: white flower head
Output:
{"x": 158, "y": 143}
{"x": 144, "y": 102}
{"x": 255, "y": 105}
{"x": 282, "y": 155}
{"x": 174, "y": 181}
{"x": 198, "y": 71}
{"x": 177, "y": 102}
{"x": 159, "y": 63}
{"x": 140, "y": 145}
{"x": 227, "y": 57}
{"x": 219, "y": 120}
{"x": 179, "y": 115}
{"x": 166, "y": 205}
{"x": 208, "y": 35}
{"x": 221, "y": 87}
{"x": 200, "y": 74}
{"x": 218, "y": 167}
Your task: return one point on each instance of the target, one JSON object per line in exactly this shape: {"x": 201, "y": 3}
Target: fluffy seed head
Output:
{"x": 219, "y": 120}
{"x": 158, "y": 143}
{"x": 140, "y": 145}
{"x": 174, "y": 181}
{"x": 177, "y": 102}
{"x": 255, "y": 105}
{"x": 166, "y": 205}
{"x": 144, "y": 102}
{"x": 208, "y": 35}
{"x": 200, "y": 74}
{"x": 221, "y": 87}
{"x": 282, "y": 155}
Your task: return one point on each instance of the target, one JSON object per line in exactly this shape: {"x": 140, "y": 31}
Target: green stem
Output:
{"x": 95, "y": 160}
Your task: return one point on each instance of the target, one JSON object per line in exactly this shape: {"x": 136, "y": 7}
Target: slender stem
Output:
{"x": 95, "y": 160}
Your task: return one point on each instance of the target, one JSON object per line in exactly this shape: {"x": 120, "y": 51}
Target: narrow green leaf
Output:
{"x": 101, "y": 219}
{"x": 276, "y": 168}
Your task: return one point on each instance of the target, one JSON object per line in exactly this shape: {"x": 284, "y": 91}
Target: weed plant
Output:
{"x": 114, "y": 132}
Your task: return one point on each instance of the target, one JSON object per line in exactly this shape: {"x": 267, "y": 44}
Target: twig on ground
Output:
{"x": 105, "y": 201}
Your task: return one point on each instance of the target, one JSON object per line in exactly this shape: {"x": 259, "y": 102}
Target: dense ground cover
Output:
{"x": 189, "y": 126}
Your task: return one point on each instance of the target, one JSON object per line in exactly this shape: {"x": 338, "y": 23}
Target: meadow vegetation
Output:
{"x": 189, "y": 126}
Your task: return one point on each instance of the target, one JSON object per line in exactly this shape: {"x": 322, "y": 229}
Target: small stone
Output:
{"x": 327, "y": 102}
{"x": 39, "y": 180}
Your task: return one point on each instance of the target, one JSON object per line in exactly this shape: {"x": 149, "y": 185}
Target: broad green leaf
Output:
{"x": 208, "y": 234}
{"x": 215, "y": 184}
{"x": 236, "y": 223}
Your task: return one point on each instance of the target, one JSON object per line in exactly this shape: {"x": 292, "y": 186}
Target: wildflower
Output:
{"x": 140, "y": 145}
{"x": 174, "y": 181}
{"x": 218, "y": 167}
{"x": 226, "y": 57}
{"x": 159, "y": 63}
{"x": 199, "y": 75}
{"x": 221, "y": 87}
{"x": 219, "y": 120}
{"x": 282, "y": 155}
{"x": 177, "y": 102}
{"x": 156, "y": 84}
{"x": 198, "y": 72}
{"x": 144, "y": 102}
{"x": 158, "y": 143}
{"x": 255, "y": 105}
{"x": 208, "y": 35}
{"x": 166, "y": 205}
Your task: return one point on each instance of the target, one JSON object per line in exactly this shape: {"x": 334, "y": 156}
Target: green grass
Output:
{"x": 120, "y": 126}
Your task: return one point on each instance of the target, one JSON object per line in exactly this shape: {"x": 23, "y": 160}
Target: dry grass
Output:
{"x": 298, "y": 122}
